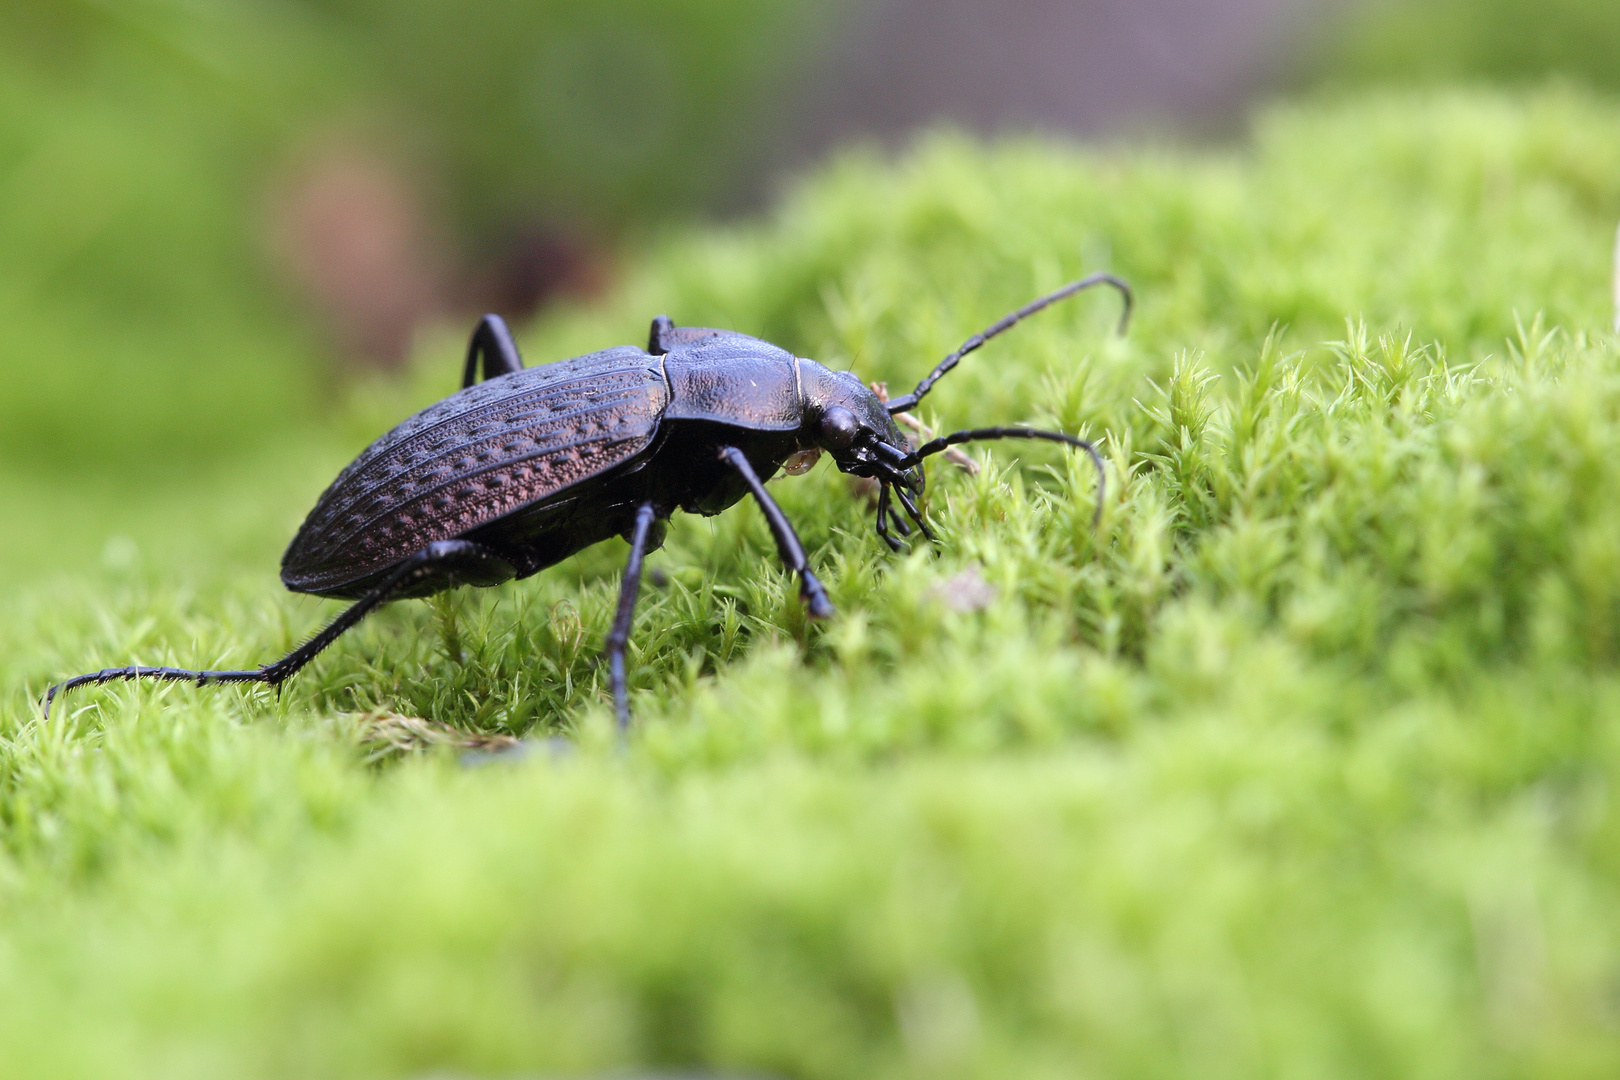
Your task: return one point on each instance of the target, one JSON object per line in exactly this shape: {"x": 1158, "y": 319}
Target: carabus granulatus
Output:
{"x": 517, "y": 472}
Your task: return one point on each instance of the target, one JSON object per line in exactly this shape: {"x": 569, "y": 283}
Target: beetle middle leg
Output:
{"x": 787, "y": 541}
{"x": 493, "y": 341}
{"x": 629, "y": 590}
{"x": 661, "y": 327}
{"x": 452, "y": 558}
{"x": 664, "y": 335}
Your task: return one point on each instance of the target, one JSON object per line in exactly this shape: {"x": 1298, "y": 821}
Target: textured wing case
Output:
{"x": 477, "y": 456}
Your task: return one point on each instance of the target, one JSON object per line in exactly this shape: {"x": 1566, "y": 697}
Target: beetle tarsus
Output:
{"x": 814, "y": 595}
{"x": 137, "y": 671}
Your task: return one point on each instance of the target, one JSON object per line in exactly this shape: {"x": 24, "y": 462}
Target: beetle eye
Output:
{"x": 838, "y": 428}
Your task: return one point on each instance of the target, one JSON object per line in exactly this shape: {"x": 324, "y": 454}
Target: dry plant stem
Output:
{"x": 386, "y": 733}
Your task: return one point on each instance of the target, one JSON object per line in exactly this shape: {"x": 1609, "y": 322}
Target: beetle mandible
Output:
{"x": 523, "y": 469}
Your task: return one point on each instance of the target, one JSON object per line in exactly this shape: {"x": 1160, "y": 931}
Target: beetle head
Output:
{"x": 843, "y": 417}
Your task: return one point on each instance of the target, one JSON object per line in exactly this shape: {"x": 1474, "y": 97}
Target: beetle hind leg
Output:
{"x": 471, "y": 563}
{"x": 136, "y": 671}
{"x": 452, "y": 558}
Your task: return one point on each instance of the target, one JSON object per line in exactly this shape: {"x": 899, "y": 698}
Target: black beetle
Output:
{"x": 520, "y": 471}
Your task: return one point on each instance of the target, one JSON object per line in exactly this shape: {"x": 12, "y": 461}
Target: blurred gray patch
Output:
{"x": 965, "y": 591}
{"x": 554, "y": 747}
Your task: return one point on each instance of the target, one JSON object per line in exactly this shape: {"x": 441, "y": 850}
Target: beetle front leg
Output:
{"x": 884, "y": 515}
{"x": 629, "y": 590}
{"x": 910, "y": 505}
{"x": 787, "y": 541}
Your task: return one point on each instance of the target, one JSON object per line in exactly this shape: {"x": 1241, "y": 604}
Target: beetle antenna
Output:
{"x": 957, "y": 438}
{"x": 909, "y": 401}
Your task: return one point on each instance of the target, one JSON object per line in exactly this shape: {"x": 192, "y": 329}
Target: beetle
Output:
{"x": 521, "y": 469}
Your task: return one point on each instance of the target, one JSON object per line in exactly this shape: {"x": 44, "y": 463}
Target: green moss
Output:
{"x": 1499, "y": 41}
{"x": 1300, "y": 764}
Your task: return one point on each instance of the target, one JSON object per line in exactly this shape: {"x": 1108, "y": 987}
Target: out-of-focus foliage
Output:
{"x": 138, "y": 319}
{"x": 586, "y": 116}
{"x": 141, "y": 142}
{"x": 1489, "y": 40}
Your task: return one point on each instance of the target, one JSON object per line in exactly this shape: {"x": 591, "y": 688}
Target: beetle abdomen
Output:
{"x": 474, "y": 457}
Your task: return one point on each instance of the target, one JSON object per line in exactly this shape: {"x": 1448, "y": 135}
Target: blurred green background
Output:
{"x": 1499, "y": 41}
{"x": 214, "y": 212}
{"x": 210, "y": 208}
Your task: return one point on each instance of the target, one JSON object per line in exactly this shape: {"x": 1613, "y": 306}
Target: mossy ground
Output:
{"x": 1302, "y": 764}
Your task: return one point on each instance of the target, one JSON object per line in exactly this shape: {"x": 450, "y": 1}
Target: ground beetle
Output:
{"x": 517, "y": 472}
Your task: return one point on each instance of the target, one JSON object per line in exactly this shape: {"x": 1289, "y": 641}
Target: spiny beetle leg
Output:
{"x": 787, "y": 541}
{"x": 435, "y": 558}
{"x": 136, "y": 671}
